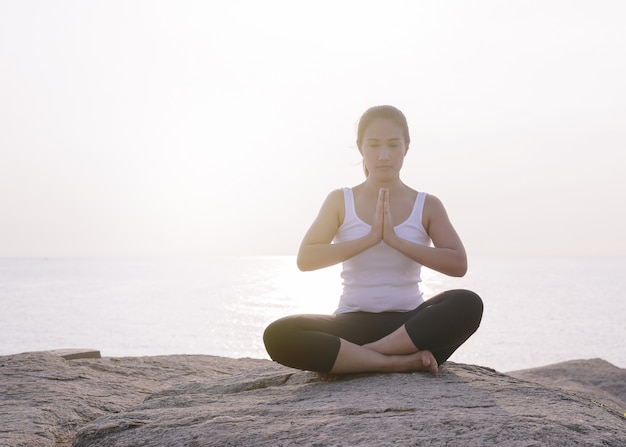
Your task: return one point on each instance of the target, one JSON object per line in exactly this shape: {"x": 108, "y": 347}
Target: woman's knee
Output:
{"x": 294, "y": 341}
{"x": 466, "y": 298}
{"x": 284, "y": 336}
{"x": 473, "y": 305}
{"x": 466, "y": 304}
{"x": 275, "y": 335}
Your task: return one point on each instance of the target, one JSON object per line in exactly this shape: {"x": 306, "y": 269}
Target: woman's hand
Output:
{"x": 382, "y": 227}
{"x": 378, "y": 225}
{"x": 389, "y": 234}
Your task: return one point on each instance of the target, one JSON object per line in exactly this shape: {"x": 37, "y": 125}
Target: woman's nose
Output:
{"x": 384, "y": 153}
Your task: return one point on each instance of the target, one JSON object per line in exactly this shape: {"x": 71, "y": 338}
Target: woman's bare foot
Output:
{"x": 353, "y": 358}
{"x": 422, "y": 361}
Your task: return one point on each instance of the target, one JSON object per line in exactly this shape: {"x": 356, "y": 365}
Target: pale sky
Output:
{"x": 205, "y": 128}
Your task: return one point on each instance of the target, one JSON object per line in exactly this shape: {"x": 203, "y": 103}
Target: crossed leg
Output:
{"x": 388, "y": 342}
{"x": 392, "y": 353}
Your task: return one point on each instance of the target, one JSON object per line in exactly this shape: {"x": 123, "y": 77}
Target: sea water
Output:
{"x": 538, "y": 311}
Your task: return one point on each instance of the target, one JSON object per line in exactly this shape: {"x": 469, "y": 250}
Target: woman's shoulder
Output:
{"x": 335, "y": 199}
{"x": 336, "y": 195}
{"x": 434, "y": 211}
{"x": 432, "y": 202}
{"x": 334, "y": 206}
{"x": 433, "y": 199}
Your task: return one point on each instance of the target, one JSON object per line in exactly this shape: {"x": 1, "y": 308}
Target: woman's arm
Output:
{"x": 317, "y": 250}
{"x": 447, "y": 254}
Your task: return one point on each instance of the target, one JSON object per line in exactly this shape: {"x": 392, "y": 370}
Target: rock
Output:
{"x": 214, "y": 401}
{"x": 596, "y": 379}
{"x": 74, "y": 354}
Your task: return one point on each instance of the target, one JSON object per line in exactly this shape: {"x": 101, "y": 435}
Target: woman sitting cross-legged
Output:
{"x": 383, "y": 232}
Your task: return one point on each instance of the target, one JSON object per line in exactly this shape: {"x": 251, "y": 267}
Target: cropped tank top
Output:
{"x": 380, "y": 278}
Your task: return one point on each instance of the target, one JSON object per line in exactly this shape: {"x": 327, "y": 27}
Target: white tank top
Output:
{"x": 381, "y": 279}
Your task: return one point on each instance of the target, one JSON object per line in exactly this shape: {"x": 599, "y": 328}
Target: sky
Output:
{"x": 191, "y": 128}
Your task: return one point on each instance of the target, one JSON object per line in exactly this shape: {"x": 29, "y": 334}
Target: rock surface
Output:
{"x": 46, "y": 400}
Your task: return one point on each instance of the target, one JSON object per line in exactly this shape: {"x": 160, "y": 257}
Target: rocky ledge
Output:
{"x": 189, "y": 400}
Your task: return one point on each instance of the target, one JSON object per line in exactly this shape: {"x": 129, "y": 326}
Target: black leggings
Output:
{"x": 311, "y": 342}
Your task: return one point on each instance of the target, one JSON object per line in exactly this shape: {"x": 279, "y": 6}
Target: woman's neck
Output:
{"x": 373, "y": 185}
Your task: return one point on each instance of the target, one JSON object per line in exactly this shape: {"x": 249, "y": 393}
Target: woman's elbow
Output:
{"x": 302, "y": 265}
{"x": 309, "y": 259}
{"x": 303, "y": 262}
{"x": 459, "y": 272}
{"x": 459, "y": 269}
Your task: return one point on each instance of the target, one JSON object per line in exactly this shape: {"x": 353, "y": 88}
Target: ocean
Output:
{"x": 538, "y": 310}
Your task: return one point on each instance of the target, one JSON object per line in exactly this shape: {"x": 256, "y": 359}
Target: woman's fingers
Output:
{"x": 388, "y": 230}
{"x": 379, "y": 216}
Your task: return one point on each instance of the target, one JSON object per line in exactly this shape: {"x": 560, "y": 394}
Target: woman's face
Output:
{"x": 383, "y": 148}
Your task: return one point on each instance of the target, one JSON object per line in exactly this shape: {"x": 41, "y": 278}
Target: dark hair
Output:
{"x": 387, "y": 112}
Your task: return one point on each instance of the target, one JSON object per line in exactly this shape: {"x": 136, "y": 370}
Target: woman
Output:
{"x": 381, "y": 230}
